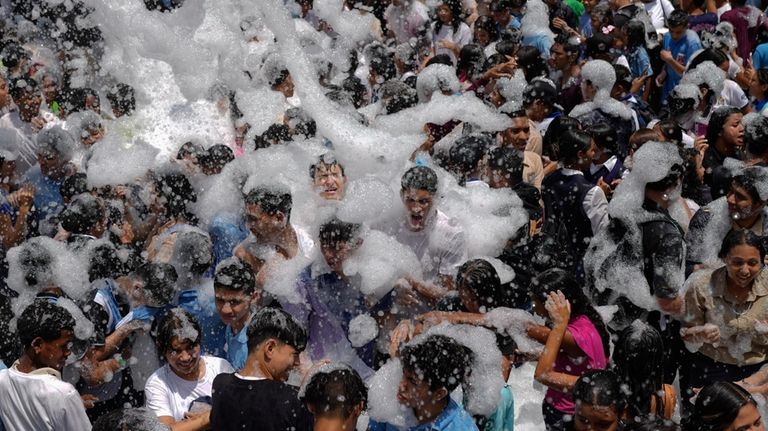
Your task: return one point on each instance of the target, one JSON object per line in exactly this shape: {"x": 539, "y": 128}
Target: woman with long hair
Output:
{"x": 724, "y": 406}
{"x": 449, "y": 33}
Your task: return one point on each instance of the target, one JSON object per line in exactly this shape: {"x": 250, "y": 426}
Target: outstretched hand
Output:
{"x": 558, "y": 307}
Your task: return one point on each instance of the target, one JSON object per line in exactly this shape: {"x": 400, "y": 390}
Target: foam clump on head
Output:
{"x": 600, "y": 73}
{"x": 436, "y": 78}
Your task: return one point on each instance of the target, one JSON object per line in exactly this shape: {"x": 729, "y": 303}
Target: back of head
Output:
{"x": 677, "y": 18}
{"x": 176, "y": 192}
{"x": 509, "y": 162}
{"x": 103, "y": 262}
{"x": 604, "y": 135}
{"x": 129, "y": 419}
{"x": 83, "y": 213}
{"x": 193, "y": 251}
{"x": 419, "y": 178}
{"x": 217, "y": 157}
{"x": 234, "y": 274}
{"x": 74, "y": 185}
{"x": 717, "y": 406}
{"x": 571, "y": 143}
{"x": 122, "y": 97}
{"x": 159, "y": 282}
{"x": 756, "y": 129}
{"x": 274, "y": 323}
{"x": 599, "y": 388}
{"x": 271, "y": 200}
{"x": 467, "y": 152}
{"x": 480, "y": 277}
{"x": 638, "y": 360}
{"x": 530, "y": 60}
{"x": 336, "y": 393}
{"x": 439, "y": 360}
{"x": 43, "y": 319}
{"x": 57, "y": 141}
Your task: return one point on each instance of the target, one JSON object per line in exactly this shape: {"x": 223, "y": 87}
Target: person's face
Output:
{"x": 537, "y": 110}
{"x": 50, "y": 163}
{"x": 502, "y": 17}
{"x": 54, "y": 353}
{"x": 756, "y": 88}
{"x": 93, "y": 103}
{"x": 263, "y": 225}
{"x": 50, "y": 88}
{"x": 282, "y": 359}
{"x": 482, "y": 37}
{"x": 742, "y": 264}
{"x": 335, "y": 253}
{"x": 677, "y": 33}
{"x": 5, "y": 97}
{"x": 183, "y": 357}
{"x": 748, "y": 419}
{"x": 517, "y": 135}
{"x": 740, "y": 203}
{"x": 558, "y": 58}
{"x": 92, "y": 135}
{"x": 444, "y": 14}
{"x": 733, "y": 131}
{"x": 589, "y": 417}
{"x": 418, "y": 204}
{"x": 589, "y": 4}
{"x": 413, "y": 392}
{"x": 330, "y": 181}
{"x": 587, "y": 156}
{"x": 233, "y": 306}
{"x": 286, "y": 87}
{"x": 29, "y": 103}
{"x": 469, "y": 300}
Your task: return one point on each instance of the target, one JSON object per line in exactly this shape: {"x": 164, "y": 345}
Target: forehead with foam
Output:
{"x": 654, "y": 161}
{"x": 600, "y": 73}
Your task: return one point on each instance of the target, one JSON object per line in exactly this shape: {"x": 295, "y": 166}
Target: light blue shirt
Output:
{"x": 237, "y": 346}
{"x": 453, "y": 418}
{"x": 48, "y": 200}
{"x": 503, "y": 419}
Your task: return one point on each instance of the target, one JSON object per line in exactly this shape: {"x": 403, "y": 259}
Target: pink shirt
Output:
{"x": 588, "y": 339}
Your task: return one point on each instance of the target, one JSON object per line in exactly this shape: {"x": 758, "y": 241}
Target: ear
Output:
{"x": 358, "y": 410}
{"x": 37, "y": 343}
{"x": 269, "y": 348}
{"x": 441, "y": 393}
{"x": 311, "y": 408}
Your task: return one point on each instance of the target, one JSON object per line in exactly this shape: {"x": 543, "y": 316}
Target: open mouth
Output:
{"x": 416, "y": 219}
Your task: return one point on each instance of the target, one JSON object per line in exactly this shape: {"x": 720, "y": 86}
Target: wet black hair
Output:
{"x": 506, "y": 47}
{"x": 509, "y": 161}
{"x": 74, "y": 185}
{"x": 717, "y": 122}
{"x": 217, "y": 157}
{"x": 354, "y": 87}
{"x": 635, "y": 31}
{"x": 471, "y": 59}
{"x": 159, "y": 282}
{"x": 748, "y": 179}
{"x": 717, "y": 406}
{"x": 129, "y": 419}
{"x": 234, "y": 274}
{"x": 651, "y": 423}
{"x": 604, "y": 135}
{"x": 529, "y": 59}
{"x": 277, "y": 133}
{"x": 599, "y": 388}
{"x": 36, "y": 261}
{"x": 20, "y": 87}
{"x": 274, "y": 323}
{"x": 487, "y": 23}
{"x": 556, "y": 279}
{"x": 676, "y": 173}
{"x": 193, "y": 250}
{"x": 176, "y": 191}
{"x": 336, "y": 231}
{"x": 383, "y": 65}
{"x": 78, "y": 97}
{"x": 326, "y": 160}
{"x": 737, "y": 237}
{"x": 82, "y": 214}
{"x": 45, "y": 320}
{"x": 13, "y": 54}
{"x": 177, "y": 323}
{"x": 467, "y": 152}
{"x": 716, "y": 56}
{"x": 623, "y": 77}
{"x": 190, "y": 148}
{"x": 440, "y": 361}
{"x": 123, "y": 97}
{"x": 480, "y": 277}
{"x": 103, "y": 262}
{"x": 671, "y": 131}
{"x": 756, "y": 135}
{"x": 458, "y": 15}
{"x": 304, "y": 125}
{"x": 336, "y": 393}
{"x": 440, "y": 59}
{"x": 555, "y": 132}
{"x": 570, "y": 45}
{"x": 419, "y": 178}
{"x": 271, "y": 201}
{"x": 571, "y": 143}
{"x": 638, "y": 361}
{"x": 677, "y": 18}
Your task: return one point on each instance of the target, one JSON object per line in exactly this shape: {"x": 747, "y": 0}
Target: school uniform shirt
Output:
{"x": 659, "y": 10}
{"x": 237, "y": 346}
{"x": 682, "y": 51}
{"x": 169, "y": 395}
{"x": 40, "y": 401}
{"x": 459, "y": 37}
{"x": 453, "y": 418}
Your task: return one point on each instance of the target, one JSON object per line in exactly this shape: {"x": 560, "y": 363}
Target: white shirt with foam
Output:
{"x": 440, "y": 246}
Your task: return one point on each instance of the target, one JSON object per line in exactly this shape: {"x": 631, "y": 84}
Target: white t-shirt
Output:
{"x": 169, "y": 395}
{"x": 459, "y": 37}
{"x": 40, "y": 401}
{"x": 658, "y": 10}
{"x": 440, "y": 246}
{"x": 732, "y": 95}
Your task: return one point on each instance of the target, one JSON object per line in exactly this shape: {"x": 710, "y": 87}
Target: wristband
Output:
{"x": 121, "y": 362}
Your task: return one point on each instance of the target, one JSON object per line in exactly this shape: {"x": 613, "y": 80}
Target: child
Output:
{"x": 678, "y": 48}
{"x": 336, "y": 398}
{"x": 599, "y": 404}
{"x": 234, "y": 289}
{"x": 257, "y": 397}
{"x": 432, "y": 369}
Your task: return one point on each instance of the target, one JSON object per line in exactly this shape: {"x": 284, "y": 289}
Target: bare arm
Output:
{"x": 194, "y": 422}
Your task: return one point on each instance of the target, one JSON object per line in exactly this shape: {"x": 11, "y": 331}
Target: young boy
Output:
{"x": 432, "y": 369}
{"x": 34, "y": 396}
{"x": 257, "y": 397}
{"x": 236, "y": 296}
{"x": 677, "y": 50}
{"x": 336, "y": 398}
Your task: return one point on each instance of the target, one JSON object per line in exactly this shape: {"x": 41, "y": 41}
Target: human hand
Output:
{"x": 405, "y": 295}
{"x": 666, "y": 55}
{"x": 700, "y": 144}
{"x": 25, "y": 196}
{"x": 432, "y": 318}
{"x": 402, "y": 333}
{"x": 605, "y": 187}
{"x": 447, "y": 44}
{"x": 707, "y": 333}
{"x": 37, "y": 123}
{"x": 89, "y": 401}
{"x": 558, "y": 308}
{"x": 639, "y": 82}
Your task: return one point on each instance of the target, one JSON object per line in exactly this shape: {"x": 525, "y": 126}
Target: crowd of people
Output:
{"x": 582, "y": 190}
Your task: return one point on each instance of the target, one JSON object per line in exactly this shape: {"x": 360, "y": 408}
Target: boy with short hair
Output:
{"x": 34, "y": 396}
{"x": 235, "y": 294}
{"x": 336, "y": 397}
{"x": 257, "y": 397}
{"x": 432, "y": 369}
{"x": 678, "y": 48}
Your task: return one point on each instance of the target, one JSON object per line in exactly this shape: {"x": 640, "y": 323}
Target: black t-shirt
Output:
{"x": 263, "y": 405}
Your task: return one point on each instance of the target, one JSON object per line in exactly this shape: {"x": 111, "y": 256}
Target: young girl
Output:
{"x": 599, "y": 404}
{"x": 758, "y": 88}
{"x": 576, "y": 342}
{"x": 724, "y": 406}
{"x": 449, "y": 33}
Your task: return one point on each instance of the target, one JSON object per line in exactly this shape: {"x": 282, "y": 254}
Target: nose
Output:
{"x": 227, "y": 308}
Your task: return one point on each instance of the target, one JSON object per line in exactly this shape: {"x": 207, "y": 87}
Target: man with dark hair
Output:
{"x": 540, "y": 103}
{"x": 236, "y": 296}
{"x": 34, "y": 396}
{"x": 336, "y": 398}
{"x": 85, "y": 218}
{"x": 517, "y": 136}
{"x": 123, "y": 100}
{"x": 328, "y": 177}
{"x": 257, "y": 396}
{"x": 25, "y": 120}
{"x": 215, "y": 159}
{"x": 432, "y": 369}
{"x": 565, "y": 70}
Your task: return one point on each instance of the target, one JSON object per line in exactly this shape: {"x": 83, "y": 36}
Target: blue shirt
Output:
{"x": 237, "y": 346}
{"x": 682, "y": 50}
{"x": 48, "y": 200}
{"x": 453, "y": 418}
{"x": 210, "y": 322}
{"x": 760, "y": 57}
{"x": 226, "y": 232}
{"x": 540, "y": 41}
{"x": 503, "y": 419}
{"x": 639, "y": 61}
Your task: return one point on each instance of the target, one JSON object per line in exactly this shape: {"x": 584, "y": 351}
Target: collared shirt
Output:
{"x": 595, "y": 204}
{"x": 707, "y": 301}
{"x": 237, "y": 346}
{"x": 609, "y": 164}
{"x": 453, "y": 418}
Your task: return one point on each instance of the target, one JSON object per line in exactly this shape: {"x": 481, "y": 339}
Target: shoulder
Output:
{"x": 218, "y": 365}
{"x": 158, "y": 380}
{"x": 223, "y": 379}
